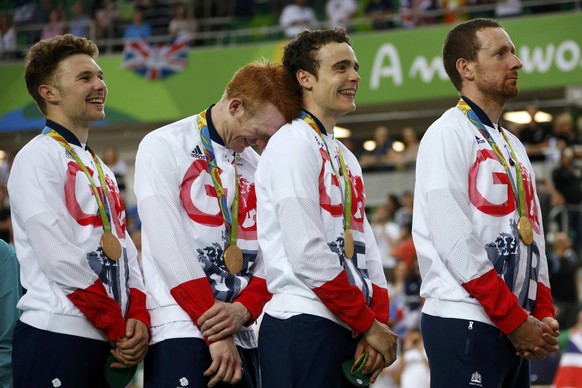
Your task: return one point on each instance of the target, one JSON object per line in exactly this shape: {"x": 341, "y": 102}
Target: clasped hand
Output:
{"x": 535, "y": 339}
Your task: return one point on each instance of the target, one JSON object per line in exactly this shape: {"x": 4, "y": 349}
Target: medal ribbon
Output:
{"x": 347, "y": 194}
{"x": 101, "y": 201}
{"x": 519, "y": 189}
{"x": 231, "y": 224}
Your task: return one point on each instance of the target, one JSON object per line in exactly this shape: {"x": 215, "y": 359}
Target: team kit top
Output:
{"x": 184, "y": 234}
{"x": 72, "y": 286}
{"x": 301, "y": 198}
{"x": 474, "y": 187}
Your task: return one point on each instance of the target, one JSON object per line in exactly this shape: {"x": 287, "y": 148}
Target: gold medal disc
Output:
{"x": 525, "y": 230}
{"x": 233, "y": 259}
{"x": 348, "y": 244}
{"x": 110, "y": 245}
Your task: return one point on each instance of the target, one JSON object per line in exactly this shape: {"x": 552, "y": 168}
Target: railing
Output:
{"x": 219, "y": 31}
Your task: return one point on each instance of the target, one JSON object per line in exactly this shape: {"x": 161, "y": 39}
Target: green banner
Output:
{"x": 395, "y": 66}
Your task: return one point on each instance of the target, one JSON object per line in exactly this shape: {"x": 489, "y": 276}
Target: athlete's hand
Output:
{"x": 222, "y": 320}
{"x": 534, "y": 339}
{"x": 375, "y": 363}
{"x": 226, "y": 363}
{"x": 383, "y": 340}
{"x": 131, "y": 349}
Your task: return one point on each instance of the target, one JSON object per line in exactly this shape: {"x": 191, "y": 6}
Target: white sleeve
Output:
{"x": 37, "y": 201}
{"x": 166, "y": 241}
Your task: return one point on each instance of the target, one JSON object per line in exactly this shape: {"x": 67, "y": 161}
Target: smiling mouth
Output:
{"x": 348, "y": 93}
{"x": 100, "y": 101}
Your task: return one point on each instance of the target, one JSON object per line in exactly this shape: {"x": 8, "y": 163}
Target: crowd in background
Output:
{"x": 109, "y": 22}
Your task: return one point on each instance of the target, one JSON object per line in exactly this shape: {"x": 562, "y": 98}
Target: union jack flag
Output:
{"x": 569, "y": 374}
{"x": 155, "y": 60}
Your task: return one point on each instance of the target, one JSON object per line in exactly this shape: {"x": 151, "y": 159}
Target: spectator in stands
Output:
{"x": 110, "y": 157}
{"x": 412, "y": 370}
{"x": 224, "y": 8}
{"x": 40, "y": 17}
{"x": 353, "y": 145}
{"x": 403, "y": 250}
{"x": 454, "y": 11}
{"x": 406, "y": 159}
{"x": 339, "y": 13}
{"x": 565, "y": 132}
{"x": 23, "y": 19}
{"x": 381, "y": 12}
{"x": 380, "y": 155}
{"x": 138, "y": 29}
{"x": 7, "y": 36}
{"x": 394, "y": 204}
{"x": 412, "y": 13}
{"x": 535, "y": 136}
{"x": 412, "y": 291}
{"x": 396, "y": 285}
{"x": 55, "y": 24}
{"x": 10, "y": 293}
{"x": 386, "y": 231}
{"x": 107, "y": 19}
{"x": 549, "y": 198}
{"x": 563, "y": 264}
{"x": 404, "y": 214}
{"x": 487, "y": 12}
{"x": 79, "y": 23}
{"x": 5, "y": 221}
{"x": 182, "y": 25}
{"x": 297, "y": 16}
{"x": 507, "y": 8}
{"x": 567, "y": 178}
{"x": 5, "y": 166}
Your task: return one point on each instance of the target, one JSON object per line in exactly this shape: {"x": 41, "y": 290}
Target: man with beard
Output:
{"x": 477, "y": 226}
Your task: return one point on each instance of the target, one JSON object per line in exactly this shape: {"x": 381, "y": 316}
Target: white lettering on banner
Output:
{"x": 566, "y": 57}
{"x": 379, "y": 71}
{"x": 427, "y": 71}
{"x": 562, "y": 62}
{"x": 537, "y": 59}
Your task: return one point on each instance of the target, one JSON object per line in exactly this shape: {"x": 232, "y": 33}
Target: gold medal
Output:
{"x": 525, "y": 230}
{"x": 233, "y": 259}
{"x": 348, "y": 244}
{"x": 111, "y": 246}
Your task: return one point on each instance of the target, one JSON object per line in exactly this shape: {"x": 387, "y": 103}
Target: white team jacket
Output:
{"x": 183, "y": 231}
{"x": 71, "y": 287}
{"x": 473, "y": 263}
{"x": 301, "y": 229}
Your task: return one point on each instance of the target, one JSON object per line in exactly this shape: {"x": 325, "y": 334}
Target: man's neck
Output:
{"x": 491, "y": 107}
{"x": 81, "y": 132}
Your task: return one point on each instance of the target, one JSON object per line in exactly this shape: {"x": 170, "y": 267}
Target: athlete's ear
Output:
{"x": 235, "y": 105}
{"x": 305, "y": 79}
{"x": 465, "y": 68}
{"x": 48, "y": 92}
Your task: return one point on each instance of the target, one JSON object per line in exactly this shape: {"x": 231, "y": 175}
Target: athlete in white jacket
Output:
{"x": 195, "y": 188}
{"x": 477, "y": 226}
{"x": 84, "y": 291}
{"x": 330, "y": 302}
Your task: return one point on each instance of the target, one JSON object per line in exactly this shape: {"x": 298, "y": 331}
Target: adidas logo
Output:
{"x": 197, "y": 153}
{"x": 479, "y": 140}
